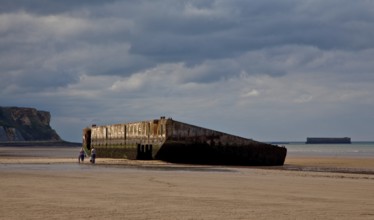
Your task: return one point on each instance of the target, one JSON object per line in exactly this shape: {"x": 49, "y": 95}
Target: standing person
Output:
{"x": 81, "y": 155}
{"x": 93, "y": 155}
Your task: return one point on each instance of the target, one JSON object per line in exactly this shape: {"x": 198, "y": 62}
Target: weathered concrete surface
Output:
{"x": 139, "y": 140}
{"x": 170, "y": 140}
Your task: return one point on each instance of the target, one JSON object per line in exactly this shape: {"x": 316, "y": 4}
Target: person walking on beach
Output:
{"x": 93, "y": 155}
{"x": 81, "y": 155}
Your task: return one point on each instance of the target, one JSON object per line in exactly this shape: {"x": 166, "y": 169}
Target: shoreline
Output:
{"x": 337, "y": 164}
{"x": 36, "y": 144}
{"x": 47, "y": 155}
{"x": 59, "y": 155}
{"x": 316, "y": 166}
{"x": 48, "y": 183}
{"x": 295, "y": 162}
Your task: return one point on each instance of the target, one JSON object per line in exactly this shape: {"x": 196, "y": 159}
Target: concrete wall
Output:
{"x": 180, "y": 131}
{"x": 156, "y": 131}
{"x": 128, "y": 140}
{"x": 175, "y": 141}
{"x": 187, "y": 143}
{"x": 137, "y": 132}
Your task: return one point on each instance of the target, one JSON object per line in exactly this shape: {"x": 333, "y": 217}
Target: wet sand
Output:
{"x": 48, "y": 183}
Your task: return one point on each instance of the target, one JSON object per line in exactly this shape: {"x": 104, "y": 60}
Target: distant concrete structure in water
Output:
{"x": 174, "y": 141}
{"x": 328, "y": 140}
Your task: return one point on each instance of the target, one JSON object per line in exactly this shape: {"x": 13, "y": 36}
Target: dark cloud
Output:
{"x": 196, "y": 60}
{"x": 189, "y": 33}
{"x": 180, "y": 31}
{"x": 46, "y": 7}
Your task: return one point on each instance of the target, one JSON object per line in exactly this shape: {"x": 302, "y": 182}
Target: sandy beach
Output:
{"x": 48, "y": 183}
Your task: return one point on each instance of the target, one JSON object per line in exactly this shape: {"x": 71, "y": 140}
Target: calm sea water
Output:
{"x": 356, "y": 149}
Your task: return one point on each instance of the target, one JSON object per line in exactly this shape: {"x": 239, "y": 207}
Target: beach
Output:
{"x": 48, "y": 183}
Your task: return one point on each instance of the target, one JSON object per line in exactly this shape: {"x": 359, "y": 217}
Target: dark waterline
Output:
{"x": 68, "y": 167}
{"x": 355, "y": 150}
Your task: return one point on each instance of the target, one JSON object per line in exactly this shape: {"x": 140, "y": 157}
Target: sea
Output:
{"x": 355, "y": 149}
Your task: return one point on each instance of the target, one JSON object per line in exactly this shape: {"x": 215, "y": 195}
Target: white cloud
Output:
{"x": 251, "y": 93}
{"x": 246, "y": 67}
{"x": 303, "y": 98}
{"x": 132, "y": 83}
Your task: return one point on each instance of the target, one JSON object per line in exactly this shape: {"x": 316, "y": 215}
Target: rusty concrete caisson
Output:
{"x": 174, "y": 141}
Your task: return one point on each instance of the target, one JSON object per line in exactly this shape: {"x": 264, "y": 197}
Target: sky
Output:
{"x": 267, "y": 70}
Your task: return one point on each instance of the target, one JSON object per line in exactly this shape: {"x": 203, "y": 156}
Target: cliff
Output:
{"x": 26, "y": 124}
